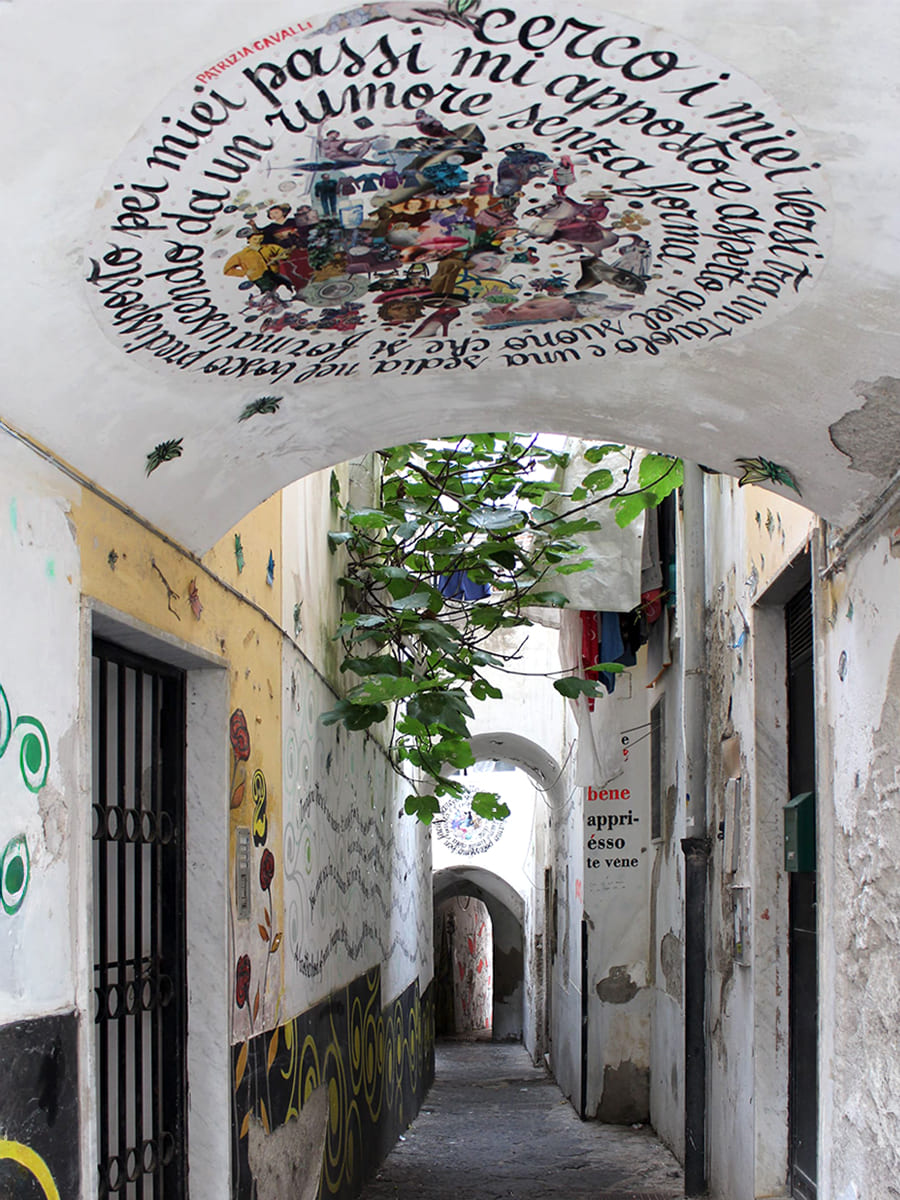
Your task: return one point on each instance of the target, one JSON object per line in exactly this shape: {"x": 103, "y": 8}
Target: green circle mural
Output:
{"x": 15, "y": 874}
{"x": 399, "y": 189}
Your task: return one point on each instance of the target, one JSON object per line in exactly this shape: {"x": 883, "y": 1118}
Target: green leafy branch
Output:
{"x": 487, "y": 509}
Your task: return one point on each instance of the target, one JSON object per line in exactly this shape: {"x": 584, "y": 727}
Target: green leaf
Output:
{"x": 415, "y": 600}
{"x": 504, "y": 558}
{"x": 658, "y": 468}
{"x": 385, "y": 688}
{"x": 423, "y": 807}
{"x": 368, "y": 518}
{"x": 497, "y": 518}
{"x": 489, "y": 806}
{"x": 355, "y": 716}
{"x": 442, "y": 708}
{"x": 397, "y": 458}
{"x": 628, "y": 508}
{"x": 551, "y": 599}
{"x": 334, "y": 489}
{"x": 572, "y": 687}
{"x": 336, "y": 539}
{"x": 540, "y": 516}
{"x": 598, "y": 480}
{"x": 481, "y": 690}
{"x": 438, "y": 636}
{"x": 594, "y": 454}
{"x": 376, "y": 664}
{"x": 455, "y": 751}
{"x": 571, "y": 568}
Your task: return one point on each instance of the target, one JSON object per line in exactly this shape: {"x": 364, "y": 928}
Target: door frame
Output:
{"x": 207, "y": 886}
{"x": 771, "y": 1057}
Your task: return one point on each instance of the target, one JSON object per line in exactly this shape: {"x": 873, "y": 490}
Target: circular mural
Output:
{"x": 408, "y": 187}
{"x": 463, "y": 831}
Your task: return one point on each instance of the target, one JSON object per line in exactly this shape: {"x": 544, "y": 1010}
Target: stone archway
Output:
{"x": 506, "y": 909}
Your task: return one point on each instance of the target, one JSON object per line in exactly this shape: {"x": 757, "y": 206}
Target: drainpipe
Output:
{"x": 582, "y": 1108}
{"x": 696, "y": 845}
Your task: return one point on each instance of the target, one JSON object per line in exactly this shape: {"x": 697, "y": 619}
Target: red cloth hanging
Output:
{"x": 590, "y": 648}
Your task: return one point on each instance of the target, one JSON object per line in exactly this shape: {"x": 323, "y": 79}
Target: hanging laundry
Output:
{"x": 590, "y": 649}
{"x": 459, "y": 586}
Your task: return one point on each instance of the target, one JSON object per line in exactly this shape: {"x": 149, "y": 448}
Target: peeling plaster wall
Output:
{"x": 666, "y": 908}
{"x": 859, "y": 851}
{"x": 617, "y": 912}
{"x": 751, "y": 538}
{"x": 566, "y": 909}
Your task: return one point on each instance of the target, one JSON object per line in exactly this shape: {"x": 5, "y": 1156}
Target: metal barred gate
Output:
{"x": 139, "y": 924}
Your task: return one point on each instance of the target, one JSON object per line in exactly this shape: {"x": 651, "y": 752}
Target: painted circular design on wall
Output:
{"x": 463, "y": 831}
{"x": 402, "y": 188}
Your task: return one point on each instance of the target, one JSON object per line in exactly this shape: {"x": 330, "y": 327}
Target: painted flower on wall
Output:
{"x": 266, "y": 870}
{"x": 242, "y": 981}
{"x": 240, "y": 735}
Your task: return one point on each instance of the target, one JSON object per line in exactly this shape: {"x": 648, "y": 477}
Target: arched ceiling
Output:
{"x": 670, "y": 223}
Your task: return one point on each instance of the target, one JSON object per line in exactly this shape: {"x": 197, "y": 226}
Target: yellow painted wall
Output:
{"x": 139, "y": 574}
{"x": 777, "y": 530}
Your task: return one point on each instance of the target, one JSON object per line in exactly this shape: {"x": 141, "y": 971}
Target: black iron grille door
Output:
{"x": 139, "y": 928}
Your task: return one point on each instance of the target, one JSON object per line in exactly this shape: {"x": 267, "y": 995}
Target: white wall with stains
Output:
{"x": 859, "y": 773}
{"x": 42, "y": 806}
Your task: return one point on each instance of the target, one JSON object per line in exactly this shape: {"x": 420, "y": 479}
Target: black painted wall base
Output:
{"x": 377, "y": 1063}
{"x": 39, "y": 1124}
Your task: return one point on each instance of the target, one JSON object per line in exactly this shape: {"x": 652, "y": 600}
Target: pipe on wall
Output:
{"x": 696, "y": 845}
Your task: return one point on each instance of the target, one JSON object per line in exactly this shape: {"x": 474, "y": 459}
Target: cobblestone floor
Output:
{"x": 495, "y": 1126}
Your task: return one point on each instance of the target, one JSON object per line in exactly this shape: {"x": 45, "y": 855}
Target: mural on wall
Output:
{"x": 399, "y": 189}
{"x": 255, "y": 949}
{"x": 462, "y": 830}
{"x": 354, "y": 894}
{"x": 34, "y": 765}
{"x": 39, "y": 1109}
{"x": 464, "y": 969}
{"x": 376, "y": 1061}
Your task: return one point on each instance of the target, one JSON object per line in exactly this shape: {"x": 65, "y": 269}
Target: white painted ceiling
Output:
{"x": 86, "y": 87}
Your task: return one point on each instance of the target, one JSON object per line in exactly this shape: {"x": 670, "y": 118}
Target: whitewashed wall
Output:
{"x": 616, "y": 875}
{"x": 41, "y": 768}
{"x": 859, "y": 847}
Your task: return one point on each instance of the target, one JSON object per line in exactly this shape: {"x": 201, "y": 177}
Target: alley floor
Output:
{"x": 495, "y": 1127}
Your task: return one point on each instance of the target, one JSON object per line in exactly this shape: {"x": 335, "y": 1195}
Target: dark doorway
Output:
{"x": 139, "y": 924}
{"x": 804, "y": 990}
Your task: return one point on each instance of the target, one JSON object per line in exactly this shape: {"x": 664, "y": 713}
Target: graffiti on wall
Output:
{"x": 34, "y": 765}
{"x": 253, "y": 962}
{"x": 462, "y": 830}
{"x": 353, "y": 890}
{"x": 39, "y": 1109}
{"x": 465, "y": 966}
{"x": 377, "y": 1063}
{"x": 399, "y": 188}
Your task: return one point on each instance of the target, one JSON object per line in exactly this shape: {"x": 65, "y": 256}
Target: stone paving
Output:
{"x": 496, "y": 1127}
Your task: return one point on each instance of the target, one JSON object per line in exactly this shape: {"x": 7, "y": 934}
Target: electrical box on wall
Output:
{"x": 242, "y": 873}
{"x": 800, "y": 833}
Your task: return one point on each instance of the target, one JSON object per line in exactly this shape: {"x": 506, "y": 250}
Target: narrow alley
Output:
{"x": 450, "y": 542}
{"x": 495, "y": 1126}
